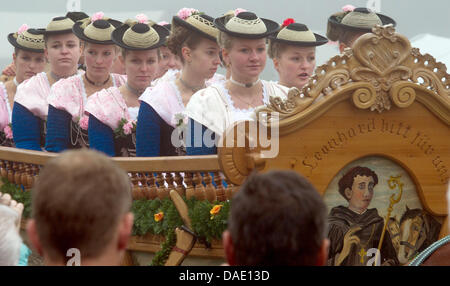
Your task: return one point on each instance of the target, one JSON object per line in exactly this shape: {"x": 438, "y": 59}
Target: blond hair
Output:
{"x": 275, "y": 49}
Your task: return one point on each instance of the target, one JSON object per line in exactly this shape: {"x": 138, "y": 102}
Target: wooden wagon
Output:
{"x": 381, "y": 104}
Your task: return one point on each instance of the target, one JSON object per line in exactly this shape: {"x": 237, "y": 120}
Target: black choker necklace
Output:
{"x": 94, "y": 83}
{"x": 134, "y": 91}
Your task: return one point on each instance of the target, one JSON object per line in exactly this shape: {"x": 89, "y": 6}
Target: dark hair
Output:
{"x": 348, "y": 37}
{"x": 277, "y": 218}
{"x": 78, "y": 201}
{"x": 180, "y": 37}
{"x": 16, "y": 51}
{"x": 347, "y": 180}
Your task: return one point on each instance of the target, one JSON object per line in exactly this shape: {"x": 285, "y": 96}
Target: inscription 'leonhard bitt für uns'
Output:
{"x": 402, "y": 130}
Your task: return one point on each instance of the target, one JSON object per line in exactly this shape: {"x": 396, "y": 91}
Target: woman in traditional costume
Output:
{"x": 293, "y": 51}
{"x": 351, "y": 23}
{"x": 193, "y": 39}
{"x": 113, "y": 111}
{"x": 242, "y": 38}
{"x": 28, "y": 60}
{"x": 62, "y": 50}
{"x": 67, "y": 124}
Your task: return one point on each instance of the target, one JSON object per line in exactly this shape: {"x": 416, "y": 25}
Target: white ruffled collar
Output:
{"x": 5, "y": 95}
{"x": 83, "y": 88}
{"x": 234, "y": 109}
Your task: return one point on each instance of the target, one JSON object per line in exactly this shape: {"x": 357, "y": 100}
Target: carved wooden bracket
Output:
{"x": 390, "y": 69}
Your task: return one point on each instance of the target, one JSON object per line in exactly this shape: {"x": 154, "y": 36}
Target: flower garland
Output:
{"x": 18, "y": 194}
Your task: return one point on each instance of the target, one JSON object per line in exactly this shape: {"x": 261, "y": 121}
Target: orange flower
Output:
{"x": 159, "y": 216}
{"x": 215, "y": 210}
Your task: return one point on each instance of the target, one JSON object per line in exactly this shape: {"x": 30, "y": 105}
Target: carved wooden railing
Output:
{"x": 190, "y": 176}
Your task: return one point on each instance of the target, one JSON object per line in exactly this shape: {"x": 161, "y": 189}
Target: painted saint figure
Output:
{"x": 355, "y": 229}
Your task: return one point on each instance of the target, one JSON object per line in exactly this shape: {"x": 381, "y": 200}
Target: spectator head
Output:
{"x": 81, "y": 200}
{"x": 277, "y": 218}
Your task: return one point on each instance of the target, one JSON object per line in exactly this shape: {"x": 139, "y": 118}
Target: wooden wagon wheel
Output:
{"x": 239, "y": 151}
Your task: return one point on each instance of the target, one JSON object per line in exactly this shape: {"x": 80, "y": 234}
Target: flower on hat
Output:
{"x": 288, "y": 21}
{"x": 163, "y": 23}
{"x": 84, "y": 122}
{"x": 238, "y": 11}
{"x": 185, "y": 13}
{"x": 97, "y": 16}
{"x": 348, "y": 8}
{"x": 142, "y": 18}
{"x": 22, "y": 29}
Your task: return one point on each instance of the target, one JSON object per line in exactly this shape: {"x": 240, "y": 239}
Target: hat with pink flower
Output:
{"x": 297, "y": 34}
{"x": 27, "y": 39}
{"x": 196, "y": 21}
{"x": 140, "y": 34}
{"x": 355, "y": 19}
{"x": 96, "y": 29}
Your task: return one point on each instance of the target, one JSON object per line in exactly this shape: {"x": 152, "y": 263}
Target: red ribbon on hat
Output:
{"x": 288, "y": 21}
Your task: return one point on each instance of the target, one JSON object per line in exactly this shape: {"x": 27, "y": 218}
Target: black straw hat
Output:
{"x": 96, "y": 29}
{"x": 30, "y": 40}
{"x": 138, "y": 36}
{"x": 246, "y": 25}
{"x": 77, "y": 16}
{"x": 200, "y": 23}
{"x": 358, "y": 20}
{"x": 59, "y": 25}
{"x": 299, "y": 35}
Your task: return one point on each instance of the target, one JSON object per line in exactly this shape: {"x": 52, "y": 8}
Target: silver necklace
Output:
{"x": 133, "y": 90}
{"x": 193, "y": 88}
{"x": 57, "y": 77}
{"x": 54, "y": 76}
{"x": 247, "y": 85}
